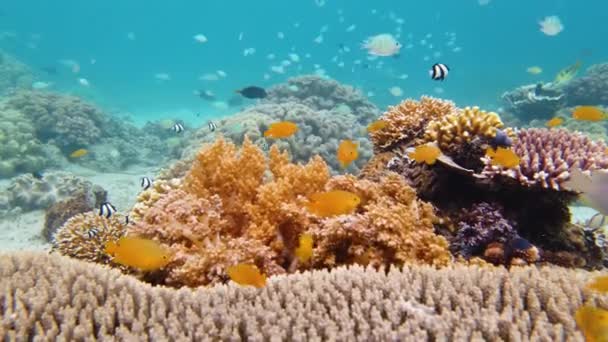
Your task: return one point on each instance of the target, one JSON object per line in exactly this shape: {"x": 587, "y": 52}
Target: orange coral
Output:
{"x": 377, "y": 165}
{"x": 407, "y": 121}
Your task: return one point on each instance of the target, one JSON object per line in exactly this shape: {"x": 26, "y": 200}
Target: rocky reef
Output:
{"x": 14, "y": 74}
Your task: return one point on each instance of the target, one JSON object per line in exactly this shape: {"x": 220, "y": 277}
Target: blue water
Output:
{"x": 498, "y": 41}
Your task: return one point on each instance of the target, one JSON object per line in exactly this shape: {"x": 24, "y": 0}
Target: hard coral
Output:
{"x": 548, "y": 156}
{"x": 147, "y": 198}
{"x": 84, "y": 236}
{"x": 456, "y": 129}
{"x": 407, "y": 121}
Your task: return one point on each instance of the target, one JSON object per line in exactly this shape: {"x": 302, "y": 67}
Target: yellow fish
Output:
{"x": 534, "y": 70}
{"x": 503, "y": 157}
{"x": 304, "y": 251}
{"x": 331, "y": 203}
{"x": 593, "y": 322}
{"x": 140, "y": 253}
{"x": 79, "y": 153}
{"x": 425, "y": 153}
{"x": 556, "y": 121}
{"x": 376, "y": 126}
{"x": 568, "y": 73}
{"x": 283, "y": 129}
{"x": 246, "y": 274}
{"x": 588, "y": 113}
{"x": 347, "y": 152}
{"x": 599, "y": 284}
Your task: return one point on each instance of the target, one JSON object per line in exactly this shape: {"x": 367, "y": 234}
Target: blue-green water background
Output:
{"x": 499, "y": 41}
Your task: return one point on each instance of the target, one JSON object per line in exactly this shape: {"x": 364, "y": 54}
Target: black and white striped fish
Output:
{"x": 212, "y": 126}
{"x": 178, "y": 128}
{"x": 146, "y": 182}
{"x": 107, "y": 209}
{"x": 91, "y": 233}
{"x": 439, "y": 71}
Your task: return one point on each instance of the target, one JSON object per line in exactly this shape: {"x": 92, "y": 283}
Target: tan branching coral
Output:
{"x": 84, "y": 236}
{"x": 457, "y": 129}
{"x": 407, "y": 121}
{"x": 391, "y": 227}
{"x": 148, "y": 197}
{"x": 548, "y": 155}
{"x": 239, "y": 206}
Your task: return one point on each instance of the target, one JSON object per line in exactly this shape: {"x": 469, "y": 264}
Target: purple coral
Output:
{"x": 478, "y": 227}
{"x": 547, "y": 157}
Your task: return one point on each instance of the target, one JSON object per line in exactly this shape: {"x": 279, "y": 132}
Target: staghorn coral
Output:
{"x": 20, "y": 151}
{"x": 407, "y": 121}
{"x": 547, "y": 156}
{"x": 460, "y": 128}
{"x": 240, "y": 206}
{"x": 84, "y": 236}
{"x": 391, "y": 227}
{"x": 49, "y": 297}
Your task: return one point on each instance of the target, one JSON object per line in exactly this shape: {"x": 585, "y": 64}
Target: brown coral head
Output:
{"x": 407, "y": 121}
{"x": 547, "y": 156}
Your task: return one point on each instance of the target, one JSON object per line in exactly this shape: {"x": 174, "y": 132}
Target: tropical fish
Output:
{"x": 588, "y": 113}
{"x": 568, "y": 73}
{"x": 252, "y": 92}
{"x": 107, "y": 209}
{"x": 384, "y": 45}
{"x": 556, "y": 121}
{"x": 504, "y": 157}
{"x": 205, "y": 95}
{"x": 593, "y": 322}
{"x": 304, "y": 250}
{"x": 592, "y": 189}
{"x": 599, "y": 284}
{"x": 347, "y": 152}
{"x": 140, "y": 253}
{"x": 91, "y": 233}
{"x": 331, "y": 203}
{"x": 501, "y": 139}
{"x": 534, "y": 70}
{"x": 376, "y": 126}
{"x": 246, "y": 274}
{"x": 551, "y": 26}
{"x": 212, "y": 126}
{"x": 178, "y": 128}
{"x": 439, "y": 71}
{"x": 283, "y": 129}
{"x": 425, "y": 154}
{"x": 146, "y": 182}
{"x": 79, "y": 153}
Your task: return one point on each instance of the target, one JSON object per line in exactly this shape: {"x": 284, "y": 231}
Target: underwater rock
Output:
{"x": 527, "y": 102}
{"x": 590, "y": 89}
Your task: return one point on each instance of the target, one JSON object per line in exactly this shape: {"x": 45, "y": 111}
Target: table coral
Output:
{"x": 407, "y": 121}
{"x": 548, "y": 155}
{"x": 241, "y": 206}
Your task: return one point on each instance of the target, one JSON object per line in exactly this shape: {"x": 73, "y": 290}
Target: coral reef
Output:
{"x": 14, "y": 74}
{"x": 407, "y": 121}
{"x": 26, "y": 193}
{"x": 319, "y": 132}
{"x": 55, "y": 298}
{"x": 20, "y": 150}
{"x": 590, "y": 89}
{"x": 529, "y": 102}
{"x": 240, "y": 206}
{"x": 84, "y": 236}
{"x": 594, "y": 130}
{"x": 147, "y": 198}
{"x": 547, "y": 156}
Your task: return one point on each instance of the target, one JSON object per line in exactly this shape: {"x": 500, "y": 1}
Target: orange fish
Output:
{"x": 283, "y": 129}
{"x": 556, "y": 121}
{"x": 79, "y": 153}
{"x": 599, "y": 284}
{"x": 347, "y": 152}
{"x": 504, "y": 157}
{"x": 593, "y": 322}
{"x": 140, "y": 253}
{"x": 588, "y": 113}
{"x": 246, "y": 274}
{"x": 304, "y": 251}
{"x": 376, "y": 126}
{"x": 331, "y": 203}
{"x": 425, "y": 153}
